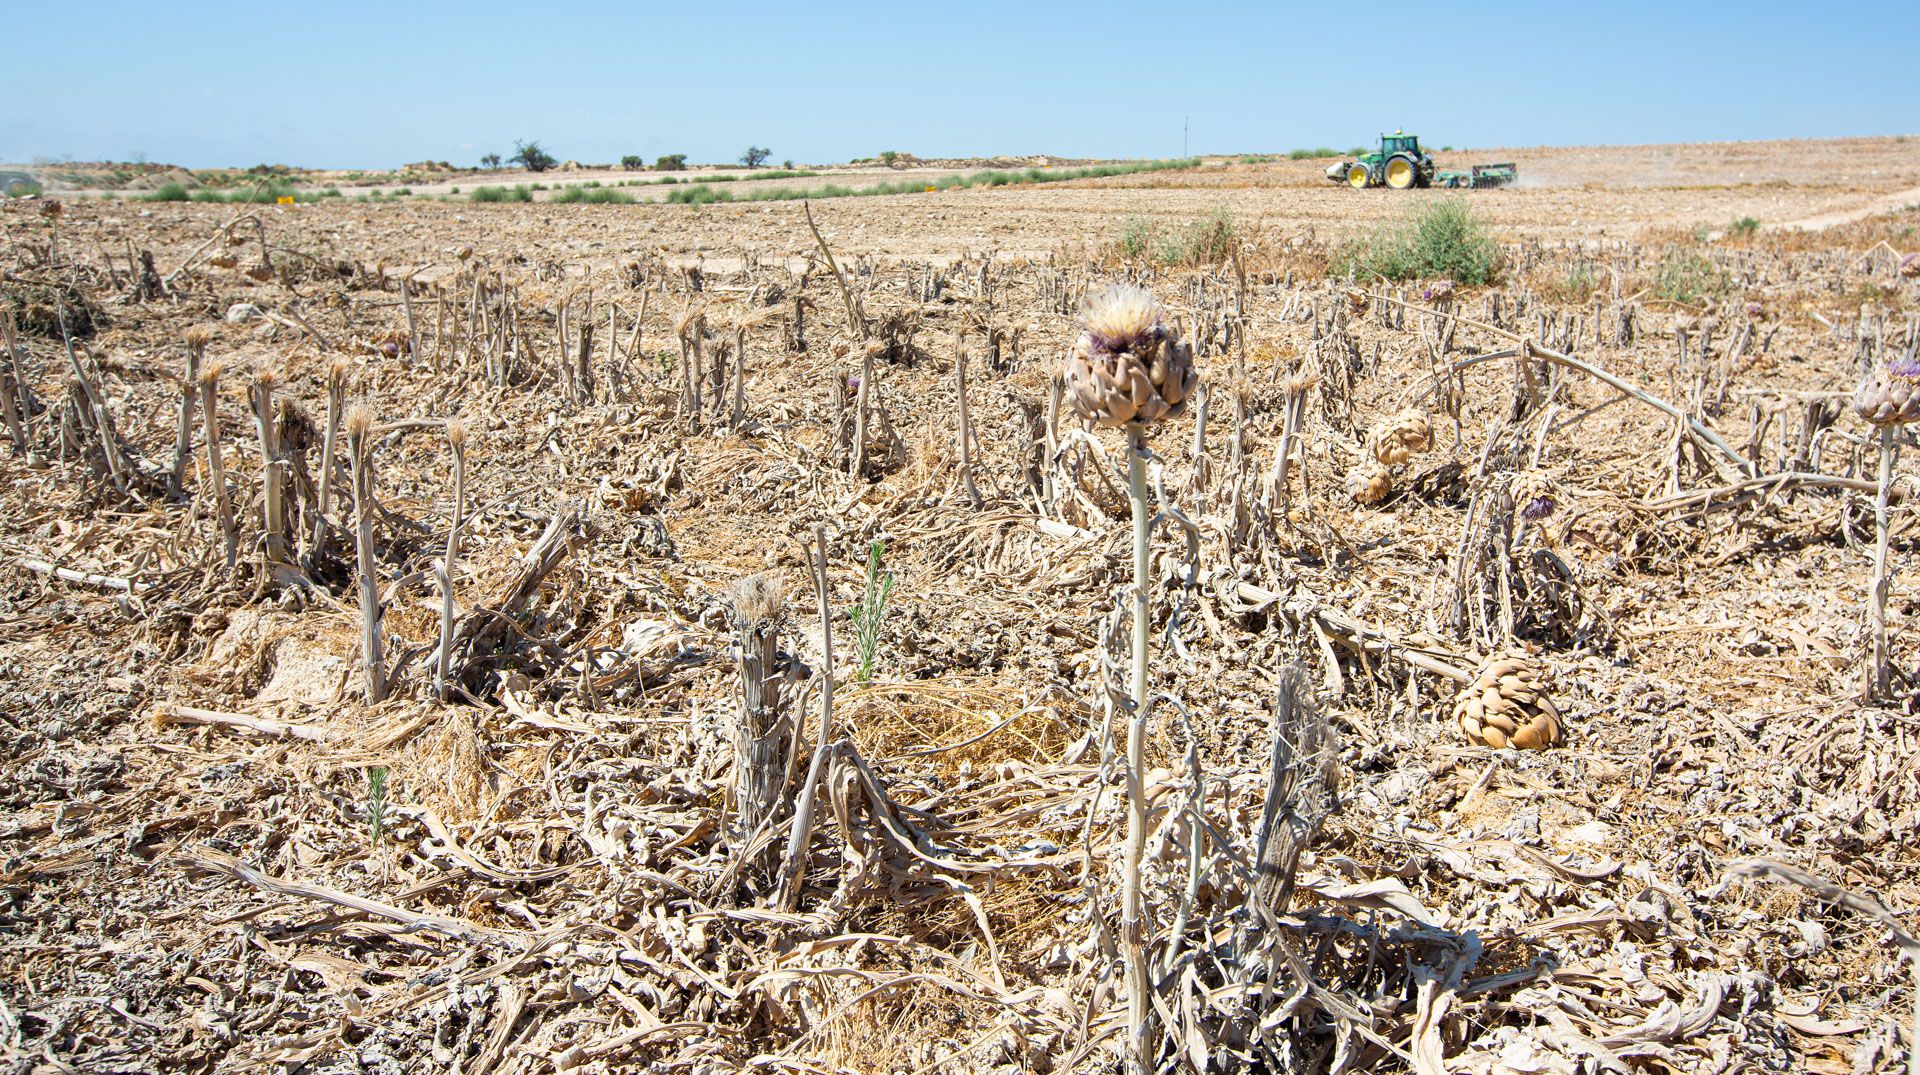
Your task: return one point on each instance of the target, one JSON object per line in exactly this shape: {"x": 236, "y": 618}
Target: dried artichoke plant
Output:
{"x": 1506, "y": 705}
{"x": 1129, "y": 369}
{"x": 1888, "y": 399}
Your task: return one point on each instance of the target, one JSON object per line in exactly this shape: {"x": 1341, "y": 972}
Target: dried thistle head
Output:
{"x": 359, "y": 422}
{"x": 198, "y": 337}
{"x": 1128, "y": 365}
{"x": 337, "y": 373}
{"x": 1506, "y": 705}
{"x": 1370, "y": 483}
{"x": 265, "y": 379}
{"x": 756, "y": 600}
{"x": 1397, "y": 439}
{"x": 456, "y": 434}
{"x": 1891, "y": 395}
{"x": 210, "y": 376}
{"x": 1535, "y": 496}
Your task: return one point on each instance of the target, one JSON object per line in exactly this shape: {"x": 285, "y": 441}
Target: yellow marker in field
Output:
{"x": 284, "y": 199}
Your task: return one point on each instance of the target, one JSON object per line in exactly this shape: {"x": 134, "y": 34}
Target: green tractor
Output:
{"x": 1398, "y": 163}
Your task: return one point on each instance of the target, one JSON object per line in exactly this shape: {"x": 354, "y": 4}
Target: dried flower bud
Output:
{"x": 1534, "y": 496}
{"x": 210, "y": 376}
{"x": 1891, "y": 396}
{"x": 1910, "y": 266}
{"x": 456, "y": 433}
{"x": 1128, "y": 365}
{"x": 1395, "y": 440}
{"x": 1369, "y": 483}
{"x": 199, "y": 336}
{"x": 1506, "y": 705}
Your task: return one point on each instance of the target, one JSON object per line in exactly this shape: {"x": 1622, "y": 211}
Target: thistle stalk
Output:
{"x": 1133, "y": 941}
{"x": 443, "y": 571}
{"x": 272, "y": 474}
{"x": 359, "y": 427}
{"x": 1881, "y": 676}
{"x": 1129, "y": 369}
{"x": 216, "y": 474}
{"x": 336, "y": 398}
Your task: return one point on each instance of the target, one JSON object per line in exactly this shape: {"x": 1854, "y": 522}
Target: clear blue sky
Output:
{"x": 347, "y": 83}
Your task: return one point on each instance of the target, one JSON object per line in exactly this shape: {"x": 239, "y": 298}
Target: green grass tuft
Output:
{"x": 1440, "y": 241}
{"x": 596, "y": 196}
{"x": 516, "y": 193}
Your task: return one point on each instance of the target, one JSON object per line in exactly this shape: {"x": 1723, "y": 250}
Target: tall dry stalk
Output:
{"x": 443, "y": 570}
{"x": 336, "y": 400}
{"x": 1888, "y": 399}
{"x": 216, "y": 473}
{"x": 197, "y": 338}
{"x": 273, "y": 512}
{"x": 373, "y": 658}
{"x": 762, "y": 736}
{"x": 1129, "y": 369}
{"x": 800, "y": 832}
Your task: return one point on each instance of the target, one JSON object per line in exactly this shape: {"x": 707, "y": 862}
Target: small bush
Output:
{"x": 672, "y": 162}
{"x": 1207, "y": 241}
{"x": 1744, "y": 228}
{"x": 172, "y": 192}
{"x": 1312, "y": 154}
{"x": 516, "y": 193}
{"x": 601, "y": 196}
{"x": 22, "y": 188}
{"x": 1136, "y": 237}
{"x": 1442, "y": 241}
{"x": 633, "y": 162}
{"x": 1688, "y": 277}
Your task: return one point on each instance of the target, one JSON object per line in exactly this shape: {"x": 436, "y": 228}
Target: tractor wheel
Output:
{"x": 1358, "y": 177}
{"x": 1401, "y": 173}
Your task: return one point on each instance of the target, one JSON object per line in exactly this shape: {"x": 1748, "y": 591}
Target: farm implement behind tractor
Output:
{"x": 1400, "y": 163}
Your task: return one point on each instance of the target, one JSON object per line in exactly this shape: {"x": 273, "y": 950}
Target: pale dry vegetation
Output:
{"x": 413, "y": 646}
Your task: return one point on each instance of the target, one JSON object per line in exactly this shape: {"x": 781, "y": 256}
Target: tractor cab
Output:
{"x": 1396, "y": 142}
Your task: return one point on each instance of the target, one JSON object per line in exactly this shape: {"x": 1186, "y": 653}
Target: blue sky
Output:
{"x": 346, "y": 83}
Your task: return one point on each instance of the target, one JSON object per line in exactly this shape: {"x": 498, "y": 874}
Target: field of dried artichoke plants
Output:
{"x": 412, "y": 644}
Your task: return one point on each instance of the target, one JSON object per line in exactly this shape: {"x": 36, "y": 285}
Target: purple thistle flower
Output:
{"x": 1538, "y": 508}
{"x": 1905, "y": 366}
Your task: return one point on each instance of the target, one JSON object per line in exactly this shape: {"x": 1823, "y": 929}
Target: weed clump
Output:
{"x": 1688, "y": 277}
{"x": 598, "y": 195}
{"x": 515, "y": 193}
{"x": 1442, "y": 240}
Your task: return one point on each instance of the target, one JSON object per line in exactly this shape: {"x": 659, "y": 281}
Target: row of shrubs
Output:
{"x": 702, "y": 193}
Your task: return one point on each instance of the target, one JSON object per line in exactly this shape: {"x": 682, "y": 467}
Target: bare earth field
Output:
{"x": 243, "y": 828}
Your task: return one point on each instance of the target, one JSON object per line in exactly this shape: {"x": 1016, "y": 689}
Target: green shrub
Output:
{"x": 1207, "y": 241}
{"x": 1441, "y": 240}
{"x": 1685, "y": 276}
{"x": 1136, "y": 237}
{"x": 516, "y": 193}
{"x": 672, "y": 162}
{"x": 22, "y": 188}
{"x": 1312, "y": 154}
{"x": 633, "y": 162}
{"x": 1744, "y": 228}
{"x": 601, "y": 196}
{"x": 172, "y": 192}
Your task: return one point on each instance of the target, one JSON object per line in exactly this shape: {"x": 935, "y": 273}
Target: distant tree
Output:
{"x": 755, "y": 156}
{"x": 672, "y": 162}
{"x": 890, "y": 157}
{"x": 530, "y": 156}
{"x": 787, "y": 164}
{"x": 490, "y": 160}
{"x": 633, "y": 162}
